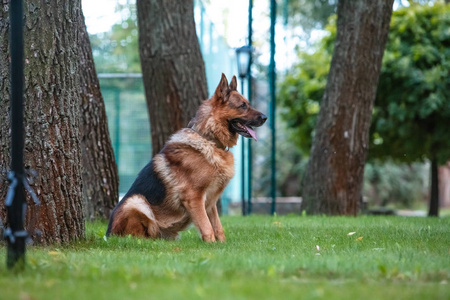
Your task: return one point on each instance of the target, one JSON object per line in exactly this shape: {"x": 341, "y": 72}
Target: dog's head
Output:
{"x": 236, "y": 110}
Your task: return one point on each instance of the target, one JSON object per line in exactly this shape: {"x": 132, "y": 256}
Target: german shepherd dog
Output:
{"x": 183, "y": 182}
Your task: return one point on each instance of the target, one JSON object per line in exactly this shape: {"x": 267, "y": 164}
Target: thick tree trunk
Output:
{"x": 333, "y": 180}
{"x": 172, "y": 65}
{"x": 52, "y": 114}
{"x": 434, "y": 190}
{"x": 99, "y": 170}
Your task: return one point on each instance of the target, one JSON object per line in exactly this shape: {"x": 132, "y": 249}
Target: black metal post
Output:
{"x": 273, "y": 11}
{"x": 244, "y": 209}
{"x": 249, "y": 88}
{"x": 15, "y": 201}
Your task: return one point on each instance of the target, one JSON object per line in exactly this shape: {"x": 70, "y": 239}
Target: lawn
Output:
{"x": 263, "y": 258}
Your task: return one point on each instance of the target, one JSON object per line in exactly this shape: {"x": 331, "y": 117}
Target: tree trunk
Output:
{"x": 99, "y": 170}
{"x": 333, "y": 180}
{"x": 434, "y": 191}
{"x": 172, "y": 65}
{"x": 52, "y": 113}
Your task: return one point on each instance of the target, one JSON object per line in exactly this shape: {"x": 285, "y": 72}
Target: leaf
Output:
{"x": 359, "y": 239}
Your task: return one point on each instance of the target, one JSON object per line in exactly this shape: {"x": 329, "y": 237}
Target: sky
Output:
{"x": 230, "y": 20}
{"x": 99, "y": 15}
{"x": 230, "y": 17}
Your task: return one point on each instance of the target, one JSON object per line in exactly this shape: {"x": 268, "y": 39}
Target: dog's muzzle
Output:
{"x": 245, "y": 127}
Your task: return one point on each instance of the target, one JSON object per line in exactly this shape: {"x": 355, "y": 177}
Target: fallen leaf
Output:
{"x": 277, "y": 224}
{"x": 360, "y": 238}
{"x": 133, "y": 285}
{"x": 50, "y": 283}
{"x": 25, "y": 296}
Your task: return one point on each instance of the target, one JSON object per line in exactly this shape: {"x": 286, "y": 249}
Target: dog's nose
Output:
{"x": 263, "y": 118}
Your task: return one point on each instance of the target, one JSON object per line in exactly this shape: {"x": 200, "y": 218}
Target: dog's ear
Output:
{"x": 222, "y": 89}
{"x": 233, "y": 84}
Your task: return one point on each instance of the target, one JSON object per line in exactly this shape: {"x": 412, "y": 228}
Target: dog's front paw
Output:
{"x": 221, "y": 238}
{"x": 209, "y": 238}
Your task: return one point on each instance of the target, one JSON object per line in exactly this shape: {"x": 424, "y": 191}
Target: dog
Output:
{"x": 183, "y": 182}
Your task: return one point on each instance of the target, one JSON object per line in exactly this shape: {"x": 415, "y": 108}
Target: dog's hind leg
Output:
{"x": 153, "y": 230}
{"x": 135, "y": 227}
{"x": 136, "y": 218}
{"x": 140, "y": 225}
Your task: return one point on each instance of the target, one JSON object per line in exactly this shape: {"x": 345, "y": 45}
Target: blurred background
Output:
{"x": 305, "y": 31}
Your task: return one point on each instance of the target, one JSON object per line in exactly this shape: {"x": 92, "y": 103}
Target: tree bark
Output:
{"x": 172, "y": 65}
{"x": 99, "y": 170}
{"x": 52, "y": 113}
{"x": 333, "y": 180}
{"x": 434, "y": 190}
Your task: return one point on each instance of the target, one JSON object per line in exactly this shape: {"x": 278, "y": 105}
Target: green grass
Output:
{"x": 263, "y": 258}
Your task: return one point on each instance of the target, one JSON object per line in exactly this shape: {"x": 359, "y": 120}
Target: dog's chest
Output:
{"x": 213, "y": 191}
{"x": 226, "y": 169}
{"x": 224, "y": 173}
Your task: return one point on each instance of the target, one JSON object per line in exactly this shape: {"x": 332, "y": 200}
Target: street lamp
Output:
{"x": 243, "y": 56}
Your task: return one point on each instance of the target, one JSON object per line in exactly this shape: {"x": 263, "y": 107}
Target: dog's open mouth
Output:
{"x": 243, "y": 129}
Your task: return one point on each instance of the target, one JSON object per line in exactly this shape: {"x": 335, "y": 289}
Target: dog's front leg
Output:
{"x": 196, "y": 208}
{"x": 213, "y": 216}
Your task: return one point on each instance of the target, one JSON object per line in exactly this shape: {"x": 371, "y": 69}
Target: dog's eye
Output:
{"x": 243, "y": 105}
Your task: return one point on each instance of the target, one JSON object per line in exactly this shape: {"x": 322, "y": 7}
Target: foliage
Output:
{"x": 116, "y": 51}
{"x": 410, "y": 120}
{"x": 411, "y": 109}
{"x": 302, "y": 89}
{"x": 402, "y": 185}
{"x": 264, "y": 258}
{"x": 308, "y": 14}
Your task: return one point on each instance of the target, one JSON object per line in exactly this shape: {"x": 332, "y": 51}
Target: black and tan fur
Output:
{"x": 183, "y": 182}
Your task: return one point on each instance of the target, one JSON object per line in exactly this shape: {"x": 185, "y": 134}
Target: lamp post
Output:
{"x": 243, "y": 55}
{"x": 272, "y": 78}
{"x": 15, "y": 203}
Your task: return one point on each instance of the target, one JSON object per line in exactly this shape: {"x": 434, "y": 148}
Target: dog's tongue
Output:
{"x": 252, "y": 133}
